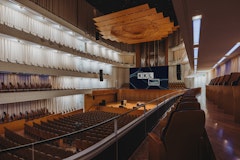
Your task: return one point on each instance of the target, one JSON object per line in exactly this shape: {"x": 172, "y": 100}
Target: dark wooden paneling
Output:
{"x": 63, "y": 8}
{"x": 80, "y": 14}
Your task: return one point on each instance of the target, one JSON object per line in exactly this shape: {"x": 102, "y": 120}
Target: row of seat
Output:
{"x": 24, "y": 153}
{"x": 28, "y": 115}
{"x": 24, "y": 86}
{"x": 180, "y": 132}
{"x": 45, "y": 148}
{"x": 232, "y": 79}
{"x": 224, "y": 92}
{"x": 56, "y": 127}
{"x": 76, "y": 122}
{"x": 176, "y": 85}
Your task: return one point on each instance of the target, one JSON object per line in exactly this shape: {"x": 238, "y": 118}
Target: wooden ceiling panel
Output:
{"x": 122, "y": 13}
{"x": 127, "y": 18}
{"x": 139, "y": 21}
{"x": 135, "y": 25}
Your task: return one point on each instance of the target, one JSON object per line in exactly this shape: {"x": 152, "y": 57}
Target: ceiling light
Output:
{"x": 233, "y": 49}
{"x": 195, "y": 62}
{"x": 195, "y": 69}
{"x": 215, "y": 65}
{"x": 221, "y": 60}
{"x": 195, "y": 52}
{"x": 196, "y": 28}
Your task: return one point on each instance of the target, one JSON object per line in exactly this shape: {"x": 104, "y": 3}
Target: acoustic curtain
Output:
{"x": 232, "y": 65}
{"x": 49, "y": 30}
{"x": 56, "y": 105}
{"x": 22, "y": 52}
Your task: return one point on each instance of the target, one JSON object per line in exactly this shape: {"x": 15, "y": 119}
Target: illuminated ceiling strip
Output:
{"x": 196, "y": 36}
{"x": 196, "y": 29}
{"x": 222, "y": 59}
{"x": 195, "y": 62}
{"x": 233, "y": 49}
{"x": 195, "y": 69}
{"x": 227, "y": 54}
{"x": 195, "y": 52}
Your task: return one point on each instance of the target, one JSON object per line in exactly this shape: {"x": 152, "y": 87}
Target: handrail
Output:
{"x": 97, "y": 148}
{"x": 91, "y": 127}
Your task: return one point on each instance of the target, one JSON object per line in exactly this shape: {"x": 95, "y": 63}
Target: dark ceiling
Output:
{"x": 219, "y": 27}
{"x": 110, "y": 6}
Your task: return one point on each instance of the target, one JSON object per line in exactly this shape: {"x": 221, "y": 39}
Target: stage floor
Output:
{"x": 131, "y": 104}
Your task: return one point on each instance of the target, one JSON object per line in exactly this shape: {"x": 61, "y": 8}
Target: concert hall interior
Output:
{"x": 119, "y": 80}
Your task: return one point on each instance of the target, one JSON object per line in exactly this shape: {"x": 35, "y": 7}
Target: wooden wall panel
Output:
{"x": 86, "y": 13}
{"x": 97, "y": 96}
{"x": 236, "y": 95}
{"x": 68, "y": 10}
{"x": 54, "y": 8}
{"x": 141, "y": 94}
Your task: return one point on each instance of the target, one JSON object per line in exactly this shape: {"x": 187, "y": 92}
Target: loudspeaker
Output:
{"x": 101, "y": 75}
{"x": 178, "y": 72}
{"x": 97, "y": 35}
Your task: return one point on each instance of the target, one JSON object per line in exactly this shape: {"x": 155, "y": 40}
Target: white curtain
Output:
{"x": 79, "y": 83}
{"x": 19, "y": 52}
{"x": 233, "y": 65}
{"x": 38, "y": 26}
{"x": 56, "y": 105}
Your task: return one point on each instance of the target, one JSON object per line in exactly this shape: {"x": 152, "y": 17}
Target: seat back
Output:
{"x": 181, "y": 136}
{"x": 225, "y": 79}
{"x": 233, "y": 77}
{"x": 188, "y": 106}
{"x": 220, "y": 80}
{"x": 189, "y": 100}
{"x": 216, "y": 80}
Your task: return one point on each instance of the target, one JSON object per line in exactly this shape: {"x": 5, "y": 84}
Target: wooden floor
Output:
{"x": 131, "y": 104}
{"x": 223, "y": 133}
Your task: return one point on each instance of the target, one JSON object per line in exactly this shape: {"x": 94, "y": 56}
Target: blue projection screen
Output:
{"x": 149, "y": 78}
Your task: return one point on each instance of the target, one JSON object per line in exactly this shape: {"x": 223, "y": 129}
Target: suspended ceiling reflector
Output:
{"x": 135, "y": 25}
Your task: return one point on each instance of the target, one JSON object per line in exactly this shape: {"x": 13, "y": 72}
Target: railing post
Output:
{"x": 32, "y": 151}
{"x": 115, "y": 132}
{"x": 145, "y": 120}
{"x": 115, "y": 126}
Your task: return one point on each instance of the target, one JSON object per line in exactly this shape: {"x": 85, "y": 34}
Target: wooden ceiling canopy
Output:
{"x": 135, "y": 25}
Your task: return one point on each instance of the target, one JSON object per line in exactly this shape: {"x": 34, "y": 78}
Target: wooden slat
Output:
{"x": 122, "y": 13}
{"x": 127, "y": 18}
{"x": 136, "y": 29}
{"x": 141, "y": 22}
{"x": 152, "y": 19}
{"x": 138, "y": 40}
{"x": 135, "y": 25}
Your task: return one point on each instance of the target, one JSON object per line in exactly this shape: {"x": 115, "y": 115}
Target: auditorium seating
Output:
{"x": 25, "y": 153}
{"x": 176, "y": 85}
{"x": 45, "y": 148}
{"x": 222, "y": 93}
{"x": 185, "y": 102}
{"x": 24, "y": 87}
{"x": 33, "y": 114}
{"x": 184, "y": 126}
{"x": 68, "y": 124}
{"x": 4, "y": 87}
